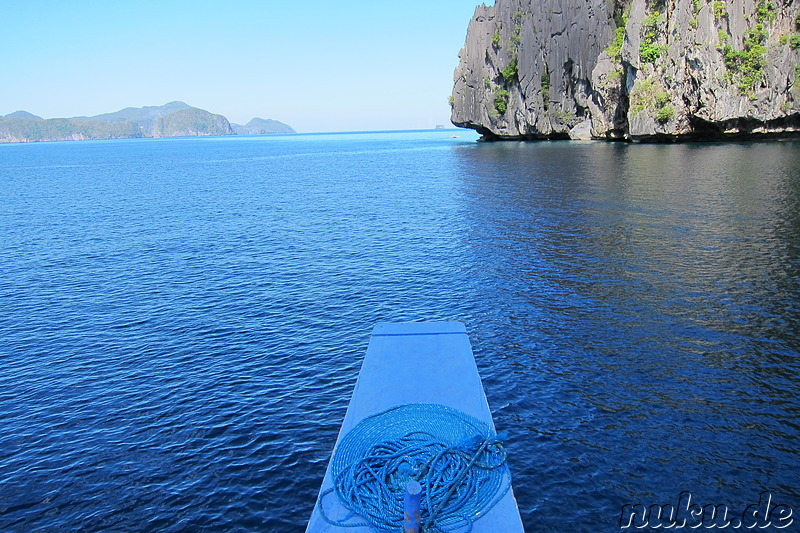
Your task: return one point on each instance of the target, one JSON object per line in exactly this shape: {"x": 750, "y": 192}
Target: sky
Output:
{"x": 316, "y": 65}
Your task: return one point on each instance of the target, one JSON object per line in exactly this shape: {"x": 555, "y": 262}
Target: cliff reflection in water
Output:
{"x": 648, "y": 297}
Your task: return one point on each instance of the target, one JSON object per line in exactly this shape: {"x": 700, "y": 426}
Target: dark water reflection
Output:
{"x": 650, "y": 297}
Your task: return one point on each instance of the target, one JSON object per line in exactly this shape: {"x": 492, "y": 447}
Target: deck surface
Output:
{"x": 419, "y": 362}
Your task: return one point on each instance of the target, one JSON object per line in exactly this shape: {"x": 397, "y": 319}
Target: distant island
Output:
{"x": 175, "y": 119}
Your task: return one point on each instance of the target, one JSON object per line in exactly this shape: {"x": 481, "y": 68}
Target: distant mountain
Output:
{"x": 144, "y": 117}
{"x": 259, "y": 125}
{"x": 175, "y": 119}
{"x": 16, "y": 130}
{"x": 23, "y": 114}
{"x": 191, "y": 122}
{"x": 140, "y": 115}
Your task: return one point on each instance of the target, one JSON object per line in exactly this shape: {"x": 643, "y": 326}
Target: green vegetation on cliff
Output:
{"x": 614, "y": 49}
{"x": 652, "y": 25}
{"x": 511, "y": 71}
{"x": 646, "y": 96}
{"x": 746, "y": 66}
{"x": 500, "y": 100}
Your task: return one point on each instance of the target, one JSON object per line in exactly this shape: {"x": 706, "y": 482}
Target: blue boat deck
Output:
{"x": 421, "y": 362}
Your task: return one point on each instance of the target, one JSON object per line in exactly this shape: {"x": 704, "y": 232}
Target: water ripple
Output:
{"x": 182, "y": 323}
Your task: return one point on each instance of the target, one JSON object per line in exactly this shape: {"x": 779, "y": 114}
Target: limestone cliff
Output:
{"x": 639, "y": 70}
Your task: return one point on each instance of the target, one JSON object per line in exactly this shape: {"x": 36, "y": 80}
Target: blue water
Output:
{"x": 182, "y": 320}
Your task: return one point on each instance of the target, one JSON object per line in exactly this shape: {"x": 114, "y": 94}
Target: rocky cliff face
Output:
{"x": 642, "y": 70}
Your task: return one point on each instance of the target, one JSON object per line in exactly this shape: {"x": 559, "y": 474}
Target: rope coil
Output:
{"x": 457, "y": 459}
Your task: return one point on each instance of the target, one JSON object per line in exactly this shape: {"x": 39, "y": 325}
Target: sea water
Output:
{"x": 182, "y": 320}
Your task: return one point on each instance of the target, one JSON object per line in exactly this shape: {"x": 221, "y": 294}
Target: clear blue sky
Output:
{"x": 316, "y": 65}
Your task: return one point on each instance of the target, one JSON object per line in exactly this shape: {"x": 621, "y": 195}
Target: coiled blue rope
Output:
{"x": 458, "y": 460}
